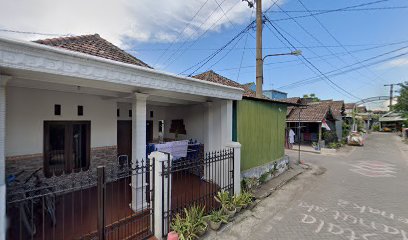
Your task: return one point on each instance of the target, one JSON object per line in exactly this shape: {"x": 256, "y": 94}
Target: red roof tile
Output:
{"x": 211, "y": 76}
{"x": 315, "y": 112}
{"x": 93, "y": 45}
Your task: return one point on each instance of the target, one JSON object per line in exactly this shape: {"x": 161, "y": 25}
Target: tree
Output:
{"x": 313, "y": 96}
{"x": 402, "y": 104}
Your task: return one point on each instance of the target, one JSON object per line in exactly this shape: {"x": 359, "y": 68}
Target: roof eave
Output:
{"x": 19, "y": 53}
{"x": 272, "y": 101}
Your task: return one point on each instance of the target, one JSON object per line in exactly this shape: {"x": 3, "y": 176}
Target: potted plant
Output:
{"x": 224, "y": 199}
{"x": 216, "y": 218}
{"x": 191, "y": 225}
{"x": 248, "y": 198}
{"x": 238, "y": 201}
{"x": 183, "y": 228}
{"x": 196, "y": 216}
{"x": 172, "y": 235}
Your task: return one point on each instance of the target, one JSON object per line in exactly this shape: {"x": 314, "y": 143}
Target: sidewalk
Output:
{"x": 263, "y": 192}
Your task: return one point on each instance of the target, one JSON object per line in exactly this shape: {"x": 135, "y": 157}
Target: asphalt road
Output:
{"x": 359, "y": 193}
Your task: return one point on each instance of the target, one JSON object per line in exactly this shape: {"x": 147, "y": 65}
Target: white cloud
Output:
{"x": 121, "y": 20}
{"x": 400, "y": 62}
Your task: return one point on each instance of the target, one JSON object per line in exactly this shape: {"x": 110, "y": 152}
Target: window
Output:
{"x": 118, "y": 112}
{"x": 57, "y": 110}
{"x": 80, "y": 110}
{"x": 130, "y": 113}
{"x": 66, "y": 146}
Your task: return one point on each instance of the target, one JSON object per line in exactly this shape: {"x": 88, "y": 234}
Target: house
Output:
{"x": 393, "y": 121}
{"x": 338, "y": 111}
{"x": 258, "y": 125}
{"x": 271, "y": 94}
{"x": 314, "y": 118}
{"x": 71, "y": 104}
{"x": 360, "y": 113}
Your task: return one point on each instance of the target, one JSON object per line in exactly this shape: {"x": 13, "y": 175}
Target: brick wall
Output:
{"x": 30, "y": 163}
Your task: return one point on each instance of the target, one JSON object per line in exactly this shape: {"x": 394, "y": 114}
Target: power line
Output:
{"x": 303, "y": 47}
{"x": 230, "y": 22}
{"x": 330, "y": 11}
{"x": 243, "y": 51}
{"x": 207, "y": 59}
{"x": 329, "y": 56}
{"x": 333, "y": 72}
{"x": 311, "y": 64}
{"x": 190, "y": 37}
{"x": 226, "y": 54}
{"x": 184, "y": 29}
{"x": 34, "y": 33}
{"x": 199, "y": 37}
{"x": 316, "y": 79}
{"x": 337, "y": 41}
{"x": 342, "y": 10}
{"x": 317, "y": 40}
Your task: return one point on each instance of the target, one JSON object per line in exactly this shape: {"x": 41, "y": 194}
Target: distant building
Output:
{"x": 392, "y": 120}
{"x": 271, "y": 94}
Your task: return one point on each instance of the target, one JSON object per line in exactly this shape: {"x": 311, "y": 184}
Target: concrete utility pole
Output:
{"x": 391, "y": 91}
{"x": 259, "y": 57}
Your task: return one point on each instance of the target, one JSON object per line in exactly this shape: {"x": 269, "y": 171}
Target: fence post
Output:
{"x": 162, "y": 191}
{"x": 237, "y": 166}
{"x": 101, "y": 201}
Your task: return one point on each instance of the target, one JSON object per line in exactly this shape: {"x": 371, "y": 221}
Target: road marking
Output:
{"x": 374, "y": 169}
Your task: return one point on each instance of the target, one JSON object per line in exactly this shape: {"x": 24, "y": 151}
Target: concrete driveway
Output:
{"x": 357, "y": 194}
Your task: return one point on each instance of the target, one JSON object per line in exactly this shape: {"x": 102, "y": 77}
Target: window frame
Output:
{"x": 68, "y": 144}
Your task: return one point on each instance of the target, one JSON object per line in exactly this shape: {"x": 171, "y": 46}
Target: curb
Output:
{"x": 277, "y": 187}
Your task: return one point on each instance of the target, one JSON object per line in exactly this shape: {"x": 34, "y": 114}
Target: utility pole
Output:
{"x": 259, "y": 57}
{"x": 391, "y": 92}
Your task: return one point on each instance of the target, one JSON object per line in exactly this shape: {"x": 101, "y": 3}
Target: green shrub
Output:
{"x": 264, "y": 177}
{"x": 334, "y": 145}
{"x": 330, "y": 136}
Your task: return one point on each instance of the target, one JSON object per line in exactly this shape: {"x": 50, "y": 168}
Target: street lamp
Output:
{"x": 293, "y": 53}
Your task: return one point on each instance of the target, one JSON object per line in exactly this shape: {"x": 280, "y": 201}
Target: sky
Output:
{"x": 348, "y": 54}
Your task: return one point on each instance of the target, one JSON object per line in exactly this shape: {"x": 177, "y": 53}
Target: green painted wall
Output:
{"x": 260, "y": 128}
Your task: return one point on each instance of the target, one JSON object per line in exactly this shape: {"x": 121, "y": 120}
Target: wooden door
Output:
{"x": 124, "y": 138}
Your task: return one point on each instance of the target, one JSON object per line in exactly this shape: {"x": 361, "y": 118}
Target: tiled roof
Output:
{"x": 211, "y": 76}
{"x": 337, "y": 108}
{"x": 93, "y": 45}
{"x": 315, "y": 112}
{"x": 349, "y": 105}
{"x": 214, "y": 77}
{"x": 291, "y": 100}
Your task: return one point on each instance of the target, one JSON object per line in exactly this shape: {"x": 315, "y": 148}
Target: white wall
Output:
{"x": 192, "y": 115}
{"x": 27, "y": 109}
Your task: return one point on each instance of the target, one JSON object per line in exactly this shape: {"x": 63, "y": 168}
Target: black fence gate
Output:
{"x": 108, "y": 202}
{"x": 195, "y": 181}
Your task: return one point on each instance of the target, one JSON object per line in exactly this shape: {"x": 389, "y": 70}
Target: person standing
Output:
{"x": 291, "y": 138}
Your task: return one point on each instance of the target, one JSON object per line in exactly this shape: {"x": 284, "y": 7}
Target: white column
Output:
{"x": 237, "y": 166}
{"x": 138, "y": 150}
{"x": 208, "y": 122}
{"x": 160, "y": 204}
{"x": 226, "y": 123}
{"x": 3, "y": 217}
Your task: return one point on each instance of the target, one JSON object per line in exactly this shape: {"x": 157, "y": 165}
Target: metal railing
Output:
{"x": 195, "y": 181}
{"x": 112, "y": 202}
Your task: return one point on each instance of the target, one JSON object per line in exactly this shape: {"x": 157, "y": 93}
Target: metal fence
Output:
{"x": 113, "y": 202}
{"x": 195, "y": 181}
